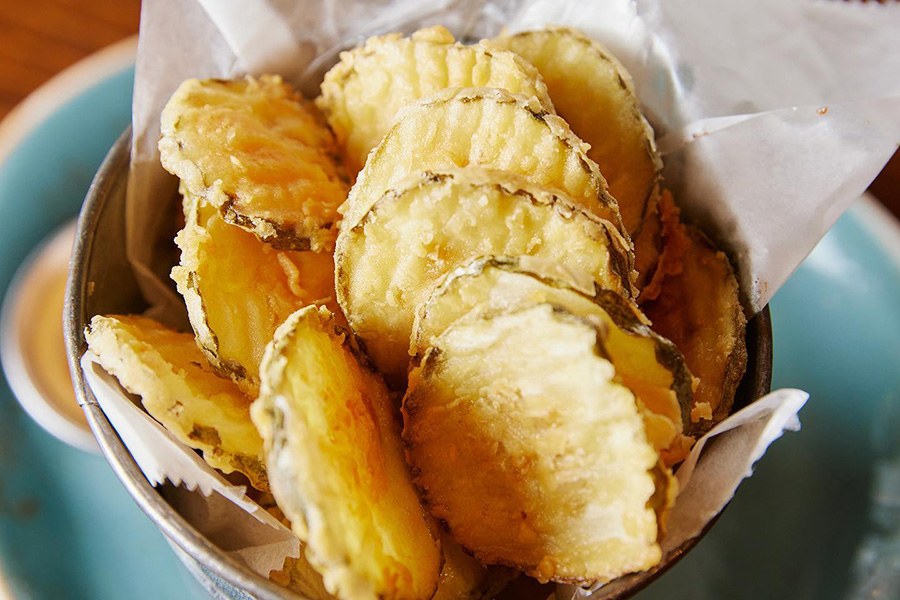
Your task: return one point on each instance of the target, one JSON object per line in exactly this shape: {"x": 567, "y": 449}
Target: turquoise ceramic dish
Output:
{"x": 69, "y": 529}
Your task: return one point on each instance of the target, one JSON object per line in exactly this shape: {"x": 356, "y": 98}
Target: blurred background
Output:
{"x": 42, "y": 37}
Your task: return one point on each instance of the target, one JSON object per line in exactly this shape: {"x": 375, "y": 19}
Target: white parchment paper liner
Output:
{"x": 772, "y": 116}
{"x": 261, "y": 542}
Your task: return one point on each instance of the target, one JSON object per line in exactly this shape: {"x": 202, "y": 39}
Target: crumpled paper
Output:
{"x": 772, "y": 117}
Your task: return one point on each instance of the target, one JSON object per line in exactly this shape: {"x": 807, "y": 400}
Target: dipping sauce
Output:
{"x": 44, "y": 347}
{"x": 33, "y": 343}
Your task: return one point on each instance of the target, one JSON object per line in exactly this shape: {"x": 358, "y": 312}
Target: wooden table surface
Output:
{"x": 39, "y": 38}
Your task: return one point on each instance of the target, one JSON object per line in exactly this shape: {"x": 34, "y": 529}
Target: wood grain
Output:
{"x": 39, "y": 38}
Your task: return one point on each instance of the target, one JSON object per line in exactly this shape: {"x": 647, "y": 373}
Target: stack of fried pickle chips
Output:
{"x": 500, "y": 403}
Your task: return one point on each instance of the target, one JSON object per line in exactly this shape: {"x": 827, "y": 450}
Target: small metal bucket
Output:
{"x": 101, "y": 282}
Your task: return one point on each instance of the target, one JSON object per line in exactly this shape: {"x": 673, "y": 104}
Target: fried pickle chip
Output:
{"x": 258, "y": 152}
{"x": 180, "y": 390}
{"x": 693, "y": 300}
{"x": 336, "y": 465}
{"x": 487, "y": 127}
{"x": 648, "y": 364}
{"x": 238, "y": 290}
{"x": 529, "y": 451}
{"x": 386, "y": 264}
{"x": 594, "y": 93}
{"x": 363, "y": 92}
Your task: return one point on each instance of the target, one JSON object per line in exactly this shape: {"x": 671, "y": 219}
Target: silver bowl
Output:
{"x": 101, "y": 282}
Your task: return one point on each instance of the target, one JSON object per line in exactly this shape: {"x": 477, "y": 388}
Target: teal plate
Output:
{"x": 68, "y": 528}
